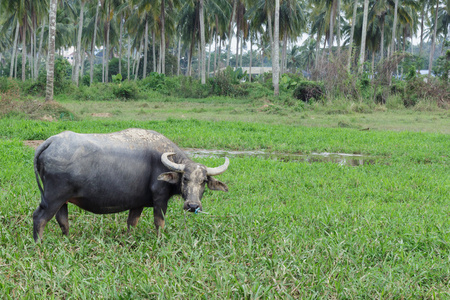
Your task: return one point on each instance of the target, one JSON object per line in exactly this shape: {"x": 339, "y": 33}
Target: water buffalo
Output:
{"x": 110, "y": 173}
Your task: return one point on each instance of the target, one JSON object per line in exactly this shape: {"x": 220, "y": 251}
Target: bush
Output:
{"x": 192, "y": 88}
{"x": 221, "y": 85}
{"x": 154, "y": 81}
{"x": 433, "y": 89}
{"x": 127, "y": 90}
{"x": 97, "y": 91}
{"x": 5, "y": 84}
{"x": 228, "y": 83}
{"x": 290, "y": 81}
{"x": 309, "y": 91}
{"x": 86, "y": 80}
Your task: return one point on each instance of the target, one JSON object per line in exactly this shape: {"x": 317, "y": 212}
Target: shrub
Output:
{"x": 86, "y": 80}
{"x": 126, "y": 90}
{"x": 97, "y": 91}
{"x": 221, "y": 85}
{"x": 192, "y": 88}
{"x": 289, "y": 80}
{"x": 432, "y": 89}
{"x": 5, "y": 84}
{"x": 309, "y": 91}
{"x": 154, "y": 81}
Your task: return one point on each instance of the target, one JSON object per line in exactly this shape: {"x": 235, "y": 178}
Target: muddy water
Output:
{"x": 339, "y": 158}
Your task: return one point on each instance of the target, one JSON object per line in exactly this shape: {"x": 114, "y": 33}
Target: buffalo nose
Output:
{"x": 193, "y": 207}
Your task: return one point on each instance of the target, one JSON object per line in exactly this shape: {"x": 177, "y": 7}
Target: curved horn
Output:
{"x": 170, "y": 164}
{"x": 218, "y": 170}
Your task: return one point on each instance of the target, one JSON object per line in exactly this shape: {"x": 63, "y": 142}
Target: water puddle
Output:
{"x": 338, "y": 158}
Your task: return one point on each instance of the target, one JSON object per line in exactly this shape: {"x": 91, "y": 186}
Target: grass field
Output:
{"x": 286, "y": 229}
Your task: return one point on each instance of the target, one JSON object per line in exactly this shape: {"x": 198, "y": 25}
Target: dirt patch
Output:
{"x": 102, "y": 115}
{"x": 47, "y": 118}
{"x": 33, "y": 143}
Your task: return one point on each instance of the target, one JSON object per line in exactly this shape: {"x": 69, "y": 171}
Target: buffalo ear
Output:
{"x": 216, "y": 185}
{"x": 170, "y": 177}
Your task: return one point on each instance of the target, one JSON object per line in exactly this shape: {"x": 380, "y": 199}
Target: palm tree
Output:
{"x": 93, "y": 44}
{"x": 78, "y": 51}
{"x": 433, "y": 40}
{"x": 276, "y": 52}
{"x": 230, "y": 30}
{"x": 352, "y": 32}
{"x": 202, "y": 41}
{"x": 364, "y": 34}
{"x": 394, "y": 26}
{"x": 51, "y": 50}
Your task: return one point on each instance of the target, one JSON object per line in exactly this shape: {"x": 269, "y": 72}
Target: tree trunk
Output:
{"x": 159, "y": 59}
{"x": 276, "y": 51}
{"x": 120, "y": 44}
{"x": 154, "y": 50}
{"x": 91, "y": 61}
{"x": 364, "y": 34}
{"x": 215, "y": 46}
{"x": 338, "y": 27}
{"x": 230, "y": 32}
{"x": 220, "y": 52}
{"x": 37, "y": 62}
{"x": 237, "y": 46}
{"x": 189, "y": 62}
{"x": 78, "y": 51}
{"x": 433, "y": 40}
{"x": 316, "y": 61}
{"x": 108, "y": 26}
{"x": 241, "y": 51}
{"x": 138, "y": 59}
{"x": 16, "y": 60}
{"x": 332, "y": 18}
{"x": 14, "y": 51}
{"x": 202, "y": 43}
{"x": 208, "y": 70}
{"x": 24, "y": 50}
{"x": 32, "y": 50}
{"x": 284, "y": 54}
{"x": 394, "y": 26}
{"x": 83, "y": 57}
{"x": 51, "y": 50}
{"x": 250, "y": 66}
{"x": 179, "y": 56}
{"x": 352, "y": 32}
{"x": 103, "y": 63}
{"x": 144, "y": 74}
{"x": 162, "y": 54}
{"x": 382, "y": 38}
{"x": 269, "y": 21}
{"x": 262, "y": 64}
{"x": 128, "y": 57}
{"x": 422, "y": 15}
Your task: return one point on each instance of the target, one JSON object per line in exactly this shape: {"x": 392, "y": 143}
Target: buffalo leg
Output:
{"x": 133, "y": 217}
{"x": 62, "y": 216}
{"x": 41, "y": 216}
{"x": 158, "y": 214}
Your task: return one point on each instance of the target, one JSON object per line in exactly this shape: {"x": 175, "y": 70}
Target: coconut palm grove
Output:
{"x": 313, "y": 49}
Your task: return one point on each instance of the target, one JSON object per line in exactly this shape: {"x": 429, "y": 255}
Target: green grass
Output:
{"x": 160, "y": 108}
{"x": 284, "y": 230}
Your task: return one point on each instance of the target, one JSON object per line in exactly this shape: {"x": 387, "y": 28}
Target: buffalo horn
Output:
{"x": 218, "y": 170}
{"x": 170, "y": 164}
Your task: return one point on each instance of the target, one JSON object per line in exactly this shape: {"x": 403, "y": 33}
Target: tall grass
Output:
{"x": 284, "y": 230}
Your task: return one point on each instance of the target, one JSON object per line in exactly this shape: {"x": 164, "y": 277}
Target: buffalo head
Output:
{"x": 192, "y": 178}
